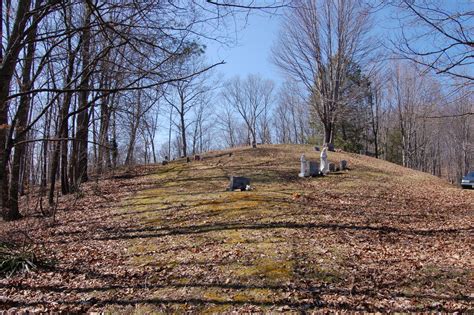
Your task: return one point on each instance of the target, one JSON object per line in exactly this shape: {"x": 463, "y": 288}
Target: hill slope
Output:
{"x": 377, "y": 237}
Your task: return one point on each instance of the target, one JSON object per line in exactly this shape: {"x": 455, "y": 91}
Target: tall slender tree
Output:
{"x": 318, "y": 41}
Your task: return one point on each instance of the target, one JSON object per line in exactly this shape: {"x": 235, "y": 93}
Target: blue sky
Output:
{"x": 251, "y": 53}
{"x": 253, "y": 39}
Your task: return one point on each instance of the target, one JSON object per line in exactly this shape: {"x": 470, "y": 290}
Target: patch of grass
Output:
{"x": 235, "y": 237}
{"x": 142, "y": 253}
{"x": 16, "y": 259}
{"x": 254, "y": 295}
{"x": 215, "y": 295}
{"x": 442, "y": 279}
{"x": 215, "y": 309}
{"x": 138, "y": 309}
{"x": 268, "y": 269}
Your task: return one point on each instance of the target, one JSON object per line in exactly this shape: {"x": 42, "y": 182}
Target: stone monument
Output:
{"x": 343, "y": 165}
{"x": 313, "y": 168}
{"x": 237, "y": 182}
{"x": 308, "y": 168}
{"x": 305, "y": 167}
{"x": 324, "y": 167}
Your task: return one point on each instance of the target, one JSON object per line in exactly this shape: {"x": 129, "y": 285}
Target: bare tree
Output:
{"x": 437, "y": 36}
{"x": 413, "y": 94}
{"x": 151, "y": 124}
{"x": 15, "y": 43}
{"x": 318, "y": 41}
{"x": 183, "y": 96}
{"x": 228, "y": 125}
{"x": 77, "y": 55}
{"x": 376, "y": 110}
{"x": 203, "y": 117}
{"x": 249, "y": 98}
{"x": 291, "y": 117}
{"x": 79, "y": 157}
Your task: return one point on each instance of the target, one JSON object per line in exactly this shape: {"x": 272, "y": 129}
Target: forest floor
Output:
{"x": 377, "y": 237}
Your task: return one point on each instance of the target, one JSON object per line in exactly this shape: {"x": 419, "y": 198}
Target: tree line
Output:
{"x": 88, "y": 86}
{"x": 76, "y": 73}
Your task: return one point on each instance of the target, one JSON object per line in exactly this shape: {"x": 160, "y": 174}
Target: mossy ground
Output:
{"x": 171, "y": 239}
{"x": 290, "y": 242}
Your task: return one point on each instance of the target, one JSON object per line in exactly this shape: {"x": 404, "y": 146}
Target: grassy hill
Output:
{"x": 377, "y": 237}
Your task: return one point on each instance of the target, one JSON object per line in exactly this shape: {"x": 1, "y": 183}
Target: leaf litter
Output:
{"x": 169, "y": 238}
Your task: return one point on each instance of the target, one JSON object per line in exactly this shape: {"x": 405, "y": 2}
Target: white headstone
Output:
{"x": 324, "y": 167}
{"x": 305, "y": 167}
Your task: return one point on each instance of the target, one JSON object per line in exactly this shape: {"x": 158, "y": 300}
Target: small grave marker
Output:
{"x": 304, "y": 167}
{"x": 343, "y": 165}
{"x": 313, "y": 168}
{"x": 308, "y": 168}
{"x": 238, "y": 182}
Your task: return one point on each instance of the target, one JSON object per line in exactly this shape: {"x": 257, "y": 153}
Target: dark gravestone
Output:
{"x": 332, "y": 167}
{"x": 316, "y": 149}
{"x": 313, "y": 168}
{"x": 343, "y": 165}
{"x": 230, "y": 154}
{"x": 197, "y": 158}
{"x": 237, "y": 182}
{"x": 331, "y": 147}
{"x": 188, "y": 159}
{"x": 164, "y": 162}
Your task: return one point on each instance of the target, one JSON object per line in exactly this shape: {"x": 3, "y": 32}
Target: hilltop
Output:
{"x": 378, "y": 237}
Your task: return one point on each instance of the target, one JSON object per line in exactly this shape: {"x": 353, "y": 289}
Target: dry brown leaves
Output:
{"x": 376, "y": 238}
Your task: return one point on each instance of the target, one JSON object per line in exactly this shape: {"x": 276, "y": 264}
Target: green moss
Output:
{"x": 190, "y": 195}
{"x": 215, "y": 295}
{"x": 254, "y": 295}
{"x": 215, "y": 309}
{"x": 235, "y": 236}
{"x": 267, "y": 269}
{"x": 138, "y": 309}
{"x": 442, "y": 279}
{"x": 141, "y": 253}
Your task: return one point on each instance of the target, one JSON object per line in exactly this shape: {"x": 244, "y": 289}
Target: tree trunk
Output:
{"x": 22, "y": 121}
{"x": 183, "y": 134}
{"x": 7, "y": 69}
{"x": 61, "y": 147}
{"x": 328, "y": 133}
{"x": 134, "y": 128}
{"x": 82, "y": 132}
{"x": 114, "y": 141}
{"x": 103, "y": 134}
{"x": 45, "y": 144}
